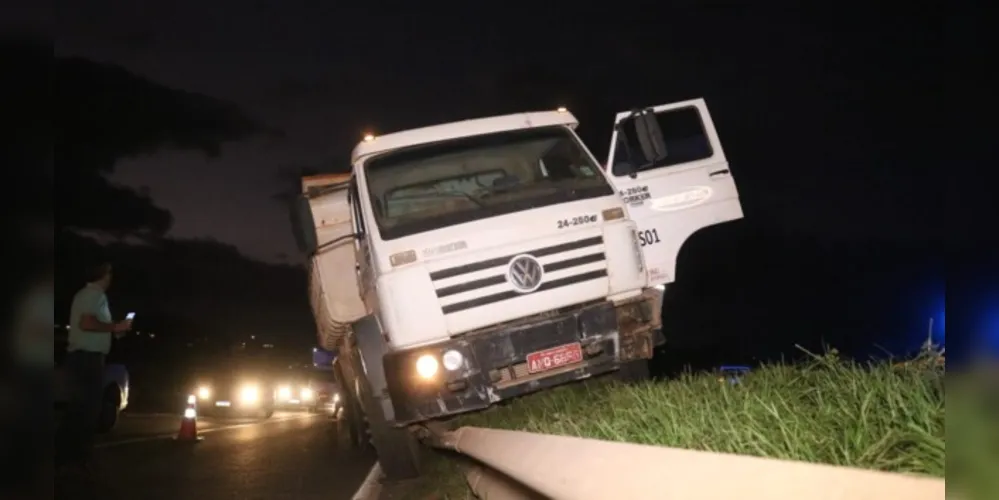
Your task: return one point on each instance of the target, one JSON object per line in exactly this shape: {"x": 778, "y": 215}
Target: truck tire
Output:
{"x": 634, "y": 371}
{"x": 397, "y": 449}
{"x": 109, "y": 410}
{"x": 352, "y": 415}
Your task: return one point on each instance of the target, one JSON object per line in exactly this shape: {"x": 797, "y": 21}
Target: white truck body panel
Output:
{"x": 420, "y": 306}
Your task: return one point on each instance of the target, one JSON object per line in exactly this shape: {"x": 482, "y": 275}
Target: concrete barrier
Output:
{"x": 562, "y": 467}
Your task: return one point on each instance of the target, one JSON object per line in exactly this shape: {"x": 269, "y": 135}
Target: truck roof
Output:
{"x": 466, "y": 128}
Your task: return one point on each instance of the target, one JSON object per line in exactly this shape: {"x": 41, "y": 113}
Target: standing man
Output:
{"x": 90, "y": 331}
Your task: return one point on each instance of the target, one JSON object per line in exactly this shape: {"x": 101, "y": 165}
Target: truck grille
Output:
{"x": 501, "y": 263}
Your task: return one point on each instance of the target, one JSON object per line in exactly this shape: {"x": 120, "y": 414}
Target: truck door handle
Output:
{"x": 719, "y": 172}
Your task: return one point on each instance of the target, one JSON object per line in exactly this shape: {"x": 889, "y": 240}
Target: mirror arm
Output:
{"x": 333, "y": 242}
{"x": 324, "y": 190}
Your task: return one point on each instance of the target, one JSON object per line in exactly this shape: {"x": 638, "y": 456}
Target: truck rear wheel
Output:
{"x": 351, "y": 414}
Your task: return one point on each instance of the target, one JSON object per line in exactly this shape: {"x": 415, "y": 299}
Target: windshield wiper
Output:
{"x": 444, "y": 194}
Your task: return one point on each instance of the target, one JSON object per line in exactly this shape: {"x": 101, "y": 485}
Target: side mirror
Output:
{"x": 303, "y": 225}
{"x": 642, "y": 127}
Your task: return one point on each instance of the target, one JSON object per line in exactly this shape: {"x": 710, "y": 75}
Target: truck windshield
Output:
{"x": 436, "y": 185}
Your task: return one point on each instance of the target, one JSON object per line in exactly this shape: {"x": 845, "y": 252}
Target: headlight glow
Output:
{"x": 204, "y": 392}
{"x": 336, "y": 397}
{"x": 249, "y": 394}
{"x": 284, "y": 393}
{"x": 426, "y": 366}
{"x": 452, "y": 360}
{"x": 306, "y": 393}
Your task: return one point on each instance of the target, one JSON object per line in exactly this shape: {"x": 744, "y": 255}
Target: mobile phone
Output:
{"x": 130, "y": 315}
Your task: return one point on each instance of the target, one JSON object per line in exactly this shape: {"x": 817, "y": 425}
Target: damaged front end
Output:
{"x": 480, "y": 368}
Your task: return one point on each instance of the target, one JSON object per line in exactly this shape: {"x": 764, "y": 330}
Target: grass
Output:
{"x": 974, "y": 433}
{"x": 887, "y": 416}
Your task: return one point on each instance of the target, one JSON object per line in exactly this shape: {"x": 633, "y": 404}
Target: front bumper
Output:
{"x": 495, "y": 360}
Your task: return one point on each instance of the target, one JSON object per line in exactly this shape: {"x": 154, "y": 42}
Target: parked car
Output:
{"x": 116, "y": 385}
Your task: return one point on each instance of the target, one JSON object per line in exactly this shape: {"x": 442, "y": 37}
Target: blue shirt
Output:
{"x": 92, "y": 300}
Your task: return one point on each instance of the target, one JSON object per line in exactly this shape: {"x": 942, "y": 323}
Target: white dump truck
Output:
{"x": 463, "y": 264}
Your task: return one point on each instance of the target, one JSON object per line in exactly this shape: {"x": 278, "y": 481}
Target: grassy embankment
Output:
{"x": 883, "y": 416}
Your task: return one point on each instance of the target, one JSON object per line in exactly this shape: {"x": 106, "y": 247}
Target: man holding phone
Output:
{"x": 90, "y": 329}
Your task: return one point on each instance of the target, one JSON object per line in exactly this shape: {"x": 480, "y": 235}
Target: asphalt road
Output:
{"x": 289, "y": 456}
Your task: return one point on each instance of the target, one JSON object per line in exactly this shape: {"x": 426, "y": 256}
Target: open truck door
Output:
{"x": 669, "y": 166}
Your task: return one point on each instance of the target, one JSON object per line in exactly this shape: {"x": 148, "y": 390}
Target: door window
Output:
{"x": 684, "y": 136}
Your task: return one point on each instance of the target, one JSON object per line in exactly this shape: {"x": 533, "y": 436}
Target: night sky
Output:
{"x": 821, "y": 111}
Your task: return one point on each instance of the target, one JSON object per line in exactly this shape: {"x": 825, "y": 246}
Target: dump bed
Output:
{"x": 333, "y": 288}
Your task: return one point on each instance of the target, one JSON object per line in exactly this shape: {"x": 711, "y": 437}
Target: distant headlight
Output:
{"x": 307, "y": 393}
{"x": 336, "y": 397}
{"x": 249, "y": 394}
{"x": 284, "y": 392}
{"x": 204, "y": 392}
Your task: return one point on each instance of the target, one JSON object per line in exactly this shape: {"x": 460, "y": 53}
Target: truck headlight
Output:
{"x": 284, "y": 392}
{"x": 204, "y": 392}
{"x": 249, "y": 394}
{"x": 426, "y": 366}
{"x": 452, "y": 360}
{"x": 307, "y": 394}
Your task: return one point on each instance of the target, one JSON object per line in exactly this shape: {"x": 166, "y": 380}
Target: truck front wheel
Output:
{"x": 398, "y": 451}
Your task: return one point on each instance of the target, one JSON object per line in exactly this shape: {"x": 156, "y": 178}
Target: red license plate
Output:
{"x": 550, "y": 359}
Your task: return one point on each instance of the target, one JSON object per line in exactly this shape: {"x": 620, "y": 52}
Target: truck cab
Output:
{"x": 464, "y": 264}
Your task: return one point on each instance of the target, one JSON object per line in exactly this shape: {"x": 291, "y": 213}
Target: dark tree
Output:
{"x": 105, "y": 114}
{"x": 289, "y": 181}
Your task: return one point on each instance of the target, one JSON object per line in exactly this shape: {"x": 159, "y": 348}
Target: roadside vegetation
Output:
{"x": 885, "y": 416}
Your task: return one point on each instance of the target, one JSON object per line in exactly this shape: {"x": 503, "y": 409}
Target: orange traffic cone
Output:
{"x": 189, "y": 423}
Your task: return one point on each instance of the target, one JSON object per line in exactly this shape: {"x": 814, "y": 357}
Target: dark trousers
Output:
{"x": 85, "y": 372}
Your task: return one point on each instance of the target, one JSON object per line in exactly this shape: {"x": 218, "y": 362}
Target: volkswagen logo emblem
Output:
{"x": 525, "y": 273}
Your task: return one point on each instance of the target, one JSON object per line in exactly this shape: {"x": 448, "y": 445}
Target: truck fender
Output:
{"x": 371, "y": 344}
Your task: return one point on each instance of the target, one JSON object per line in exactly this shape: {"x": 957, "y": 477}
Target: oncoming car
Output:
{"x": 326, "y": 392}
{"x": 294, "y": 393}
{"x": 243, "y": 395}
{"x": 310, "y": 389}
